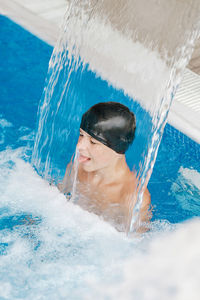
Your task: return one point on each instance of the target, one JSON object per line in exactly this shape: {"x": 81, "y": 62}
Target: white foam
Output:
{"x": 70, "y": 239}
{"x": 75, "y": 246}
{"x": 168, "y": 270}
{"x": 5, "y": 290}
{"x": 186, "y": 190}
{"x": 4, "y": 123}
{"x": 191, "y": 175}
{"x": 66, "y": 247}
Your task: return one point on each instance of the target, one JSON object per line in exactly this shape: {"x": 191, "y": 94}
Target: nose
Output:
{"x": 83, "y": 143}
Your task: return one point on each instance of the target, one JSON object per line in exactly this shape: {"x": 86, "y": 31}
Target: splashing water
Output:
{"x": 52, "y": 249}
{"x": 115, "y": 52}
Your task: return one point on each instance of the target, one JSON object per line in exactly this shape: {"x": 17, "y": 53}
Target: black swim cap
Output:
{"x": 111, "y": 123}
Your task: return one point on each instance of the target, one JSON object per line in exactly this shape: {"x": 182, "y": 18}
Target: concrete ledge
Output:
{"x": 38, "y": 26}
{"x": 185, "y": 120}
{"x": 185, "y": 110}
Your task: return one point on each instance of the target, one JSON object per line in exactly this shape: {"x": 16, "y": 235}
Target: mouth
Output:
{"x": 83, "y": 159}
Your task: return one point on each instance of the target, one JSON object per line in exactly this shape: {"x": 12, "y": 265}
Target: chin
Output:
{"x": 88, "y": 168}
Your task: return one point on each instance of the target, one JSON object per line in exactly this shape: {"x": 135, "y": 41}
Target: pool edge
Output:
{"x": 43, "y": 29}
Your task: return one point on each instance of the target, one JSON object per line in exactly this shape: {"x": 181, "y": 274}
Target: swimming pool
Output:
{"x": 51, "y": 249}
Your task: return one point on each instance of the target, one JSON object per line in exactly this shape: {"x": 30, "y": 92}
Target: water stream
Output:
{"x": 119, "y": 52}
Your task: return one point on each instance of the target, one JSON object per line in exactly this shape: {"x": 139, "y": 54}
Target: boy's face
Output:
{"x": 93, "y": 155}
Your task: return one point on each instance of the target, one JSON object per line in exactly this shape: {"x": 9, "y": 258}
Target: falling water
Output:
{"x": 127, "y": 50}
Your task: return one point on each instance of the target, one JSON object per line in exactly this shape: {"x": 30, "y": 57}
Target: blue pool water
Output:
{"x": 55, "y": 247}
{"x": 24, "y": 64}
{"x": 23, "y": 69}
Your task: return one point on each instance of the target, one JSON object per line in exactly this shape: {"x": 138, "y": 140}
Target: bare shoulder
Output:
{"x": 130, "y": 182}
{"x": 145, "y": 211}
{"x": 66, "y": 183}
{"x": 146, "y": 198}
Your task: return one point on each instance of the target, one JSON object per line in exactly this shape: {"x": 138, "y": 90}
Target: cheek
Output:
{"x": 77, "y": 145}
{"x": 102, "y": 155}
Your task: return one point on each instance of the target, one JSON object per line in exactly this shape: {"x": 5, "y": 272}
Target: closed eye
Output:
{"x": 92, "y": 142}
